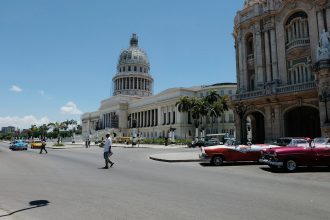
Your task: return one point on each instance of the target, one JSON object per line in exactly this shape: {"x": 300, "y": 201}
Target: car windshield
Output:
{"x": 320, "y": 140}
{"x": 283, "y": 141}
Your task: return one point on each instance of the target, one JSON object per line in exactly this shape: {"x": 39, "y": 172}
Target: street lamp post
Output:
{"x": 241, "y": 109}
{"x": 325, "y": 97}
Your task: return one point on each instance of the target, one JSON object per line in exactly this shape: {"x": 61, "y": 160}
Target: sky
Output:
{"x": 58, "y": 57}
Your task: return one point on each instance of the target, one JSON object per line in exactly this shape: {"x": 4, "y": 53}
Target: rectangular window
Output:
{"x": 169, "y": 118}
{"x": 129, "y": 68}
{"x": 164, "y": 122}
{"x": 230, "y": 92}
{"x": 173, "y": 118}
{"x": 231, "y": 118}
{"x": 222, "y": 92}
{"x": 189, "y": 117}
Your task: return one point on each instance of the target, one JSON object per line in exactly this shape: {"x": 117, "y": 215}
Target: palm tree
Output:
{"x": 183, "y": 104}
{"x": 212, "y": 97}
{"x": 56, "y": 128}
{"x": 43, "y": 130}
{"x": 216, "y": 105}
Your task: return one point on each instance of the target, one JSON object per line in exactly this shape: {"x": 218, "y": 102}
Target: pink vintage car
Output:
{"x": 291, "y": 157}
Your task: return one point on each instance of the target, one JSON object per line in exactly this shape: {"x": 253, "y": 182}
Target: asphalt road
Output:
{"x": 69, "y": 184}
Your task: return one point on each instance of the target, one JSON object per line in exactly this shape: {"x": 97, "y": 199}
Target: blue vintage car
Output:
{"x": 18, "y": 145}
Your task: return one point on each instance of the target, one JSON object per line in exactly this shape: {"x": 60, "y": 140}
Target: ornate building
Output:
{"x": 134, "y": 108}
{"x": 282, "y": 69}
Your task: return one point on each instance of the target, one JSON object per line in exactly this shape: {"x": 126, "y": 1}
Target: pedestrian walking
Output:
{"x": 43, "y": 146}
{"x": 107, "y": 151}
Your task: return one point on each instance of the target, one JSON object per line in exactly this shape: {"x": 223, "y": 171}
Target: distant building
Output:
{"x": 6, "y": 130}
{"x": 134, "y": 108}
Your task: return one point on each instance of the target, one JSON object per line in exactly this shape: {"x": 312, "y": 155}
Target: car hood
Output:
{"x": 283, "y": 149}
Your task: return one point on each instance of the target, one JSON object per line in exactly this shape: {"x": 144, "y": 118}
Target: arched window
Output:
{"x": 249, "y": 46}
{"x": 297, "y": 30}
{"x": 299, "y": 72}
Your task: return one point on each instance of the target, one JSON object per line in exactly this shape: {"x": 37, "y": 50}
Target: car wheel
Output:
{"x": 217, "y": 161}
{"x": 290, "y": 165}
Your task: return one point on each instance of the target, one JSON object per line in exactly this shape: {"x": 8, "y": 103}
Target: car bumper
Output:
{"x": 204, "y": 158}
{"x": 270, "y": 162}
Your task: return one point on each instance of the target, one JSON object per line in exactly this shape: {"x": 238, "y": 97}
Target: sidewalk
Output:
{"x": 68, "y": 145}
{"x": 3, "y": 215}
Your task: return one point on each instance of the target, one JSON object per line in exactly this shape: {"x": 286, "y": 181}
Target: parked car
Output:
{"x": 201, "y": 143}
{"x": 18, "y": 145}
{"x": 216, "y": 155}
{"x": 320, "y": 141}
{"x": 291, "y": 157}
{"x": 292, "y": 141}
{"x": 37, "y": 144}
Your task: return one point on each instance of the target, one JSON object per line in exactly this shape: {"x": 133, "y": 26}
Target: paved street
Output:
{"x": 71, "y": 185}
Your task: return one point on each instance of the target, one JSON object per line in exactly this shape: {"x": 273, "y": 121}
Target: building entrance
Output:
{"x": 302, "y": 122}
{"x": 255, "y": 128}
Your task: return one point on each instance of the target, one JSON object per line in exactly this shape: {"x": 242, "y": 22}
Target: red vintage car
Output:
{"x": 216, "y": 155}
{"x": 291, "y": 157}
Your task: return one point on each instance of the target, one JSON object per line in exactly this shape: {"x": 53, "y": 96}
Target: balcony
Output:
{"x": 275, "y": 91}
{"x": 297, "y": 43}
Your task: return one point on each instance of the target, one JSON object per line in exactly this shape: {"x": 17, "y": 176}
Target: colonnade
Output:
{"x": 128, "y": 83}
{"x": 148, "y": 118}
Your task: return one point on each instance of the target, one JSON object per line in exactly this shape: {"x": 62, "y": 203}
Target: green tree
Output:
{"x": 57, "y": 126}
{"x": 213, "y": 105}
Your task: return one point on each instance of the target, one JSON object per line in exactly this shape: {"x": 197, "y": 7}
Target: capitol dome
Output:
{"x": 133, "y": 72}
{"x": 133, "y": 55}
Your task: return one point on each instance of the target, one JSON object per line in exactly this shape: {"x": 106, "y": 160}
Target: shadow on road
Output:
{"x": 226, "y": 164}
{"x": 34, "y": 204}
{"x": 299, "y": 170}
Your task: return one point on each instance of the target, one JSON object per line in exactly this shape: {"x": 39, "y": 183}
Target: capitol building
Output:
{"x": 134, "y": 108}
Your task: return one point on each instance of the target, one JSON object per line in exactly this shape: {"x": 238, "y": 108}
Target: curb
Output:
{"x": 175, "y": 157}
{"x": 5, "y": 215}
{"x": 174, "y": 160}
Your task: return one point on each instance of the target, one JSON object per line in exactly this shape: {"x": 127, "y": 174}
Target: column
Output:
{"x": 259, "y": 60}
{"x": 320, "y": 21}
{"x": 244, "y": 65}
{"x": 156, "y": 117}
{"x": 159, "y": 116}
{"x": 274, "y": 53}
{"x": 328, "y": 18}
{"x": 267, "y": 57}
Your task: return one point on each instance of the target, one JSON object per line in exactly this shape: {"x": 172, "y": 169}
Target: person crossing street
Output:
{"x": 107, "y": 152}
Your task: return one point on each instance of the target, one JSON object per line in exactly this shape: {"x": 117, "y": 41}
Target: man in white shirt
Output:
{"x": 107, "y": 151}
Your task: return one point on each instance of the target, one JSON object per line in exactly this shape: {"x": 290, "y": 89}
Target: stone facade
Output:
{"x": 279, "y": 77}
{"x": 154, "y": 115}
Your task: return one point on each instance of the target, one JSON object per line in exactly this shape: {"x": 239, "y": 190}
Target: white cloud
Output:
{"x": 22, "y": 122}
{"x": 71, "y": 109}
{"x": 15, "y": 89}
